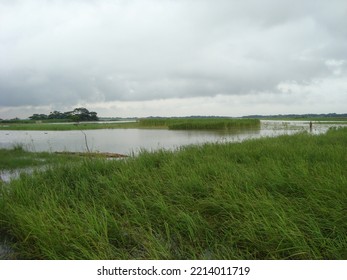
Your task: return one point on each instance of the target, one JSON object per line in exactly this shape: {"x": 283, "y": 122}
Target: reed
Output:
{"x": 199, "y": 123}
{"x": 270, "y": 198}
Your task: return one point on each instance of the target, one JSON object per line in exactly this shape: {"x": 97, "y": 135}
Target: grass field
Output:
{"x": 270, "y": 198}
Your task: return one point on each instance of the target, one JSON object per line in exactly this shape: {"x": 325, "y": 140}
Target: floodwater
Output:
{"x": 131, "y": 141}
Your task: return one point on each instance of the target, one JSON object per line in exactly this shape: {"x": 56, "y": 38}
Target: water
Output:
{"x": 7, "y": 175}
{"x": 128, "y": 141}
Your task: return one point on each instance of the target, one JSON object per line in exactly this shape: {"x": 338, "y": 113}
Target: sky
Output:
{"x": 139, "y": 58}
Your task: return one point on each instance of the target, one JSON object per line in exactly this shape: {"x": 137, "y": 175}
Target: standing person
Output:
{"x": 310, "y": 126}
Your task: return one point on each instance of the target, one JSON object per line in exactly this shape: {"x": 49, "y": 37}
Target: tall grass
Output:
{"x": 271, "y": 198}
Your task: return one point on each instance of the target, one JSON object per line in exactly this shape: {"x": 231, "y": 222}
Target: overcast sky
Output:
{"x": 173, "y": 57}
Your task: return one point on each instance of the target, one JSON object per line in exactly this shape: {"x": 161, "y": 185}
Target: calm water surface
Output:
{"x": 127, "y": 141}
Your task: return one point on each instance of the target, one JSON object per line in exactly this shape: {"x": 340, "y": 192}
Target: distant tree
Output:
{"x": 38, "y": 117}
{"x": 82, "y": 114}
{"x": 57, "y": 115}
{"x": 77, "y": 115}
{"x": 93, "y": 116}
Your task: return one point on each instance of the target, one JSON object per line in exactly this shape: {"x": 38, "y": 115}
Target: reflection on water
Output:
{"x": 127, "y": 141}
{"x": 7, "y": 175}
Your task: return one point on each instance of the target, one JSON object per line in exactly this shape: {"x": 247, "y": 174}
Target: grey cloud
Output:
{"x": 65, "y": 52}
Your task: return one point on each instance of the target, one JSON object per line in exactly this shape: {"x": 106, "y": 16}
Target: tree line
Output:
{"x": 77, "y": 115}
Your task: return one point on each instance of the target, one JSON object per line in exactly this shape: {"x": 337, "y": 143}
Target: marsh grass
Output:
{"x": 271, "y": 198}
{"x": 199, "y": 123}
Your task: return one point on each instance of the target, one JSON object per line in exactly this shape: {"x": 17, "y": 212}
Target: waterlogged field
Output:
{"x": 167, "y": 123}
{"x": 18, "y": 157}
{"x": 123, "y": 137}
{"x": 17, "y": 160}
{"x": 132, "y": 140}
{"x": 269, "y": 198}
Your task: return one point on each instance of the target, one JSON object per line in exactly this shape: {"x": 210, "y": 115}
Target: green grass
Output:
{"x": 271, "y": 198}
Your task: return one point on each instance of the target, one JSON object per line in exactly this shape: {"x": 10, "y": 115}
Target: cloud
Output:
{"x": 68, "y": 52}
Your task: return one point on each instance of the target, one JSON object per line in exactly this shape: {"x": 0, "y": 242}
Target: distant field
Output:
{"x": 270, "y": 198}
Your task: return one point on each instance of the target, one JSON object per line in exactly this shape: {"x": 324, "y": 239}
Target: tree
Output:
{"x": 82, "y": 114}
{"x": 78, "y": 115}
{"x": 57, "y": 115}
{"x": 38, "y": 117}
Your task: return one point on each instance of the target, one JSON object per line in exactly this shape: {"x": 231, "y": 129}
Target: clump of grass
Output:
{"x": 18, "y": 148}
{"x": 271, "y": 198}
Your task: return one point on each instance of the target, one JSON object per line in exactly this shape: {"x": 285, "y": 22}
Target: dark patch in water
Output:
{"x": 6, "y": 252}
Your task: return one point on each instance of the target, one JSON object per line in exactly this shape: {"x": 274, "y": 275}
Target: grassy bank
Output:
{"x": 66, "y": 126}
{"x": 271, "y": 198}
